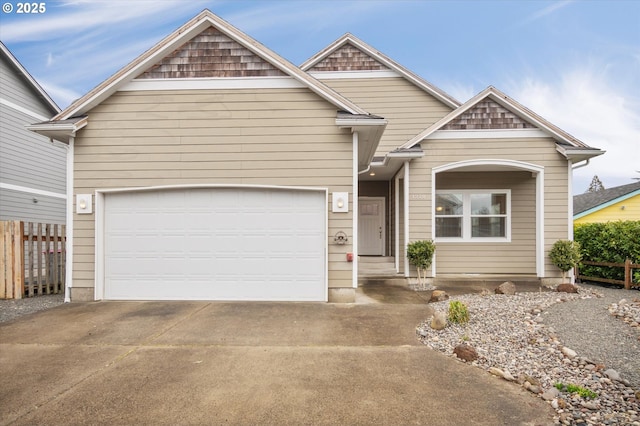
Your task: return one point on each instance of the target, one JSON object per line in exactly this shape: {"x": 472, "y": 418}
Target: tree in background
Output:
{"x": 595, "y": 185}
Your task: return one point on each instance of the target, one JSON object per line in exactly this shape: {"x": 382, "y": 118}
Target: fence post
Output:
{"x": 627, "y": 274}
{"x": 20, "y": 274}
{"x": 11, "y": 260}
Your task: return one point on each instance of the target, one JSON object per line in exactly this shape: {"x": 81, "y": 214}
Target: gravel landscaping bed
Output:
{"x": 14, "y": 308}
{"x": 586, "y": 343}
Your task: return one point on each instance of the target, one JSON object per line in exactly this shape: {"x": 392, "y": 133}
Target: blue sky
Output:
{"x": 576, "y": 63}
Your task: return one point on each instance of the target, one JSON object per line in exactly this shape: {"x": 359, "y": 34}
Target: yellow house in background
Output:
{"x": 618, "y": 203}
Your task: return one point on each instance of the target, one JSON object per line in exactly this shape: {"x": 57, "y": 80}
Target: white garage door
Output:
{"x": 215, "y": 244}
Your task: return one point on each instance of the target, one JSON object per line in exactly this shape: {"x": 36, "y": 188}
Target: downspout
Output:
{"x": 579, "y": 166}
{"x": 69, "y": 244}
{"x": 570, "y": 205}
{"x": 365, "y": 170}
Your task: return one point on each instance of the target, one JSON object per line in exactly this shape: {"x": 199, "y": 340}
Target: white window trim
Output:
{"x": 466, "y": 217}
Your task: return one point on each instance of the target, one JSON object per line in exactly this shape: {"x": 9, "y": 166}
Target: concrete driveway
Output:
{"x": 161, "y": 363}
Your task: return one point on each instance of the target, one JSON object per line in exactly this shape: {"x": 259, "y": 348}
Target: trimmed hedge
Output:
{"x": 609, "y": 242}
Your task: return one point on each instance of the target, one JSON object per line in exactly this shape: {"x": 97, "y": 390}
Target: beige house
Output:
{"x": 211, "y": 168}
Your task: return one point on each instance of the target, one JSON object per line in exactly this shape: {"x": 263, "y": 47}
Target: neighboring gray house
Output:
{"x": 32, "y": 169}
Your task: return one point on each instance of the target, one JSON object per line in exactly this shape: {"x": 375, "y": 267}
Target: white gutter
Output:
{"x": 69, "y": 244}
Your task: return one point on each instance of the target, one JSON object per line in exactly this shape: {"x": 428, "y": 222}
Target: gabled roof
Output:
{"x": 388, "y": 62}
{"x": 202, "y": 21}
{"x": 591, "y": 202}
{"x": 29, "y": 78}
{"x": 566, "y": 143}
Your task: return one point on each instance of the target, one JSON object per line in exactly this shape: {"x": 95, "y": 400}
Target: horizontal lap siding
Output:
{"x": 27, "y": 159}
{"x": 628, "y": 209}
{"x": 18, "y": 91}
{"x": 408, "y": 109}
{"x": 249, "y": 137}
{"x": 539, "y": 151}
{"x": 18, "y": 205}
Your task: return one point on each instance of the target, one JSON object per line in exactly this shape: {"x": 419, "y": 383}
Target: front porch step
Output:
{"x": 394, "y": 280}
{"x": 372, "y": 266}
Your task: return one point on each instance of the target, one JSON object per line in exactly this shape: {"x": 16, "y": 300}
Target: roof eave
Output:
{"x": 370, "y": 130}
{"x": 580, "y": 154}
{"x": 32, "y": 81}
{"x": 388, "y": 62}
{"x": 179, "y": 37}
{"x": 509, "y": 103}
{"x": 61, "y": 131}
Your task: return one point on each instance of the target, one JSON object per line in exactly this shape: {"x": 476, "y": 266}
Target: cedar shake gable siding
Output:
{"x": 211, "y": 54}
{"x": 488, "y": 115}
{"x": 348, "y": 58}
{"x": 407, "y": 107}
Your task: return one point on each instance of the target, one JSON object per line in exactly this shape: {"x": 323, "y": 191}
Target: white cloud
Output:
{"x": 89, "y": 15}
{"x": 585, "y": 102}
{"x": 313, "y": 16}
{"x": 544, "y": 12}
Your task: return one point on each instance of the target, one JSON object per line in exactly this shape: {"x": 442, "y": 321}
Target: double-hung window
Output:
{"x": 473, "y": 215}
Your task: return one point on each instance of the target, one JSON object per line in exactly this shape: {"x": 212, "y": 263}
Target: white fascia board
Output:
{"x": 60, "y": 131}
{"x": 100, "y": 92}
{"x": 577, "y": 155}
{"x": 354, "y": 75}
{"x": 212, "y": 83}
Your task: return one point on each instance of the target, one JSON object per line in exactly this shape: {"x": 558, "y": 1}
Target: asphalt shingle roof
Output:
{"x": 589, "y": 200}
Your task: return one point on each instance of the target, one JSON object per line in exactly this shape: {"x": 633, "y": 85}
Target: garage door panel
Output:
{"x": 216, "y": 244}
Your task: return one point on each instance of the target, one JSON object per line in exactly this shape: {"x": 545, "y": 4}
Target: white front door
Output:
{"x": 371, "y": 226}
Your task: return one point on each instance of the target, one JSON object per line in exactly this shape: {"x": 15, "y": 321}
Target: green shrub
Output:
{"x": 609, "y": 242}
{"x": 458, "y": 312}
{"x": 420, "y": 255}
{"x": 565, "y": 255}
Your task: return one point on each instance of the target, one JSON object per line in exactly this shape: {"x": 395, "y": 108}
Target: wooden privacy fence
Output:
{"x": 32, "y": 259}
{"x": 628, "y": 273}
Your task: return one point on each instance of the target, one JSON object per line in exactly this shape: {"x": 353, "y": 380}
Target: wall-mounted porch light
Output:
{"x": 83, "y": 204}
{"x": 340, "y": 202}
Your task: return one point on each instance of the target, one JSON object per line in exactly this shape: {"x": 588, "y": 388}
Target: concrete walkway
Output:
{"x": 192, "y": 363}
